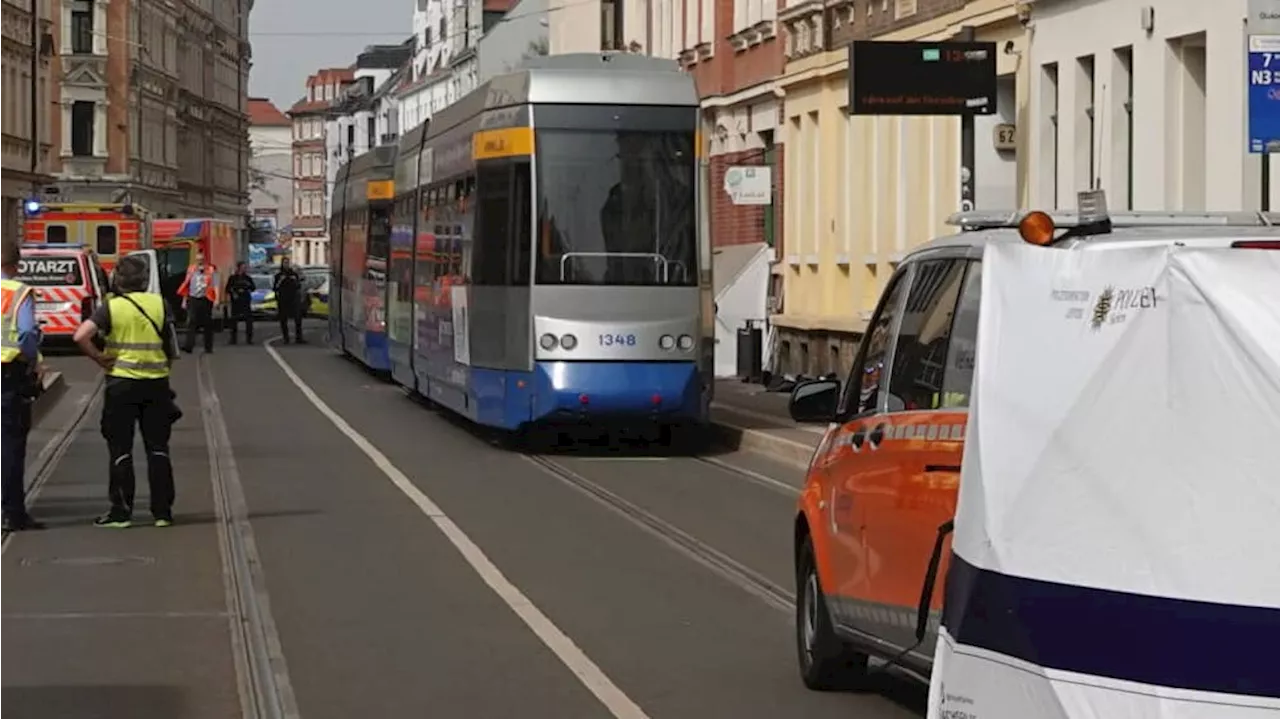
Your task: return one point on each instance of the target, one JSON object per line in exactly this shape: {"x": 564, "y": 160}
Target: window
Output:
{"x": 504, "y": 224}
{"x": 82, "y": 27}
{"x": 957, "y": 381}
{"x": 768, "y": 218}
{"x": 920, "y": 351}
{"x": 82, "y": 130}
{"x": 616, "y": 205}
{"x": 1049, "y": 132}
{"x": 611, "y": 25}
{"x": 105, "y": 240}
{"x": 864, "y": 389}
{"x": 55, "y": 234}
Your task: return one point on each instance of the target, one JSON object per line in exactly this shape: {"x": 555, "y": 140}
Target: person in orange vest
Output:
{"x": 199, "y": 293}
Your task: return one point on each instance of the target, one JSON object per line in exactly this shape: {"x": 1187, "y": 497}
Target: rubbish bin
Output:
{"x": 750, "y": 352}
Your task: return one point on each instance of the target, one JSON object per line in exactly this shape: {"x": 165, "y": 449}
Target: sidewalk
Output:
{"x": 753, "y": 419}
{"x": 118, "y": 623}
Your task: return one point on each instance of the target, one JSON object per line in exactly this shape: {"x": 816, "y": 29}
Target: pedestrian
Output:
{"x": 21, "y": 383}
{"x": 140, "y": 347}
{"x": 288, "y": 288}
{"x": 240, "y": 294}
{"x": 199, "y": 292}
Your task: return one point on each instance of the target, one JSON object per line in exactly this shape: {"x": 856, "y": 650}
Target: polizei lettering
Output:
{"x": 1138, "y": 298}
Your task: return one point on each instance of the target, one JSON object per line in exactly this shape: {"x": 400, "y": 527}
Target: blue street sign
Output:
{"x": 1264, "y": 97}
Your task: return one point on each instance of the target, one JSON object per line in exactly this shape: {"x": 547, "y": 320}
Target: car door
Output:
{"x": 847, "y": 462}
{"x": 917, "y": 443}
{"x": 153, "y": 268}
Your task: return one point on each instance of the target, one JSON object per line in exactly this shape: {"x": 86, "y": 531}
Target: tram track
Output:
{"x": 262, "y": 675}
{"x": 50, "y": 456}
{"x": 737, "y": 573}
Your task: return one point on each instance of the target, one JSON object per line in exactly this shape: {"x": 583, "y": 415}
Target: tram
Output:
{"x": 542, "y": 258}
{"x": 360, "y": 232}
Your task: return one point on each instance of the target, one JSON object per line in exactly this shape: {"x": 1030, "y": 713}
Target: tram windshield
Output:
{"x": 617, "y": 206}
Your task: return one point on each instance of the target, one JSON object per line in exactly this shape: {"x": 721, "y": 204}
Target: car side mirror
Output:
{"x": 815, "y": 401}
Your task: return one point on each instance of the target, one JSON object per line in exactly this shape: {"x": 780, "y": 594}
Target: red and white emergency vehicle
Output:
{"x": 68, "y": 283}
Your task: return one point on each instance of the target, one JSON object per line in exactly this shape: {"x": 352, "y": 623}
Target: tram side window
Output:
{"x": 503, "y": 218}
{"x": 55, "y": 234}
{"x": 106, "y": 239}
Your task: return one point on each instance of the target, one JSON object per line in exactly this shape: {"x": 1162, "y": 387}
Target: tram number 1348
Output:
{"x": 609, "y": 340}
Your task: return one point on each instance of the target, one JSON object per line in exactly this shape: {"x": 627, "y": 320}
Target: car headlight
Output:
{"x": 548, "y": 342}
{"x": 686, "y": 342}
{"x": 667, "y": 342}
{"x": 568, "y": 342}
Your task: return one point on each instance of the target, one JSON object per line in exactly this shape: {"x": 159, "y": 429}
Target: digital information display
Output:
{"x": 922, "y": 78}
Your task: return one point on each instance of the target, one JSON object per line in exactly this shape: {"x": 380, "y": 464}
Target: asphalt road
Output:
{"x": 385, "y": 560}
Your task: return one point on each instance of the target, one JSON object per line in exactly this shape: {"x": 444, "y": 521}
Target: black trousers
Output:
{"x": 13, "y": 441}
{"x": 148, "y": 404}
{"x": 290, "y": 311}
{"x": 241, "y": 314}
{"x": 199, "y": 318}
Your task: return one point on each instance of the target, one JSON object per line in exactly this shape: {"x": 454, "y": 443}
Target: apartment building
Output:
{"x": 153, "y": 103}
{"x": 309, "y": 231}
{"x": 1144, "y": 98}
{"x": 366, "y": 112}
{"x": 31, "y": 119}
{"x": 270, "y": 166}
{"x": 860, "y": 191}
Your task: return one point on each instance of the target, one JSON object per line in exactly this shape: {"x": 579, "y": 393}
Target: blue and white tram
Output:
{"x": 547, "y": 262}
{"x": 361, "y": 225}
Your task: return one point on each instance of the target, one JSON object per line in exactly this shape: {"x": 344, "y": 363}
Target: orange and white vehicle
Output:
{"x": 872, "y": 523}
{"x": 110, "y": 230}
{"x": 68, "y": 283}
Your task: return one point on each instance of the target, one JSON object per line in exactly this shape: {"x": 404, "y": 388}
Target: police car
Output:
{"x": 870, "y": 530}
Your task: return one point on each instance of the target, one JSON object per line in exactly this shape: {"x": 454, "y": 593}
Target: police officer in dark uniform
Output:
{"x": 21, "y": 383}
{"x": 140, "y": 347}
{"x": 240, "y": 291}
{"x": 288, "y": 289}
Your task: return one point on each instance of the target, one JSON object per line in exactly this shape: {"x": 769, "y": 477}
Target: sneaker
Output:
{"x": 164, "y": 521}
{"x": 114, "y": 521}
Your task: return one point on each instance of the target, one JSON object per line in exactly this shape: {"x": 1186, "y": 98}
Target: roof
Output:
{"x": 264, "y": 113}
{"x": 498, "y": 5}
{"x": 1128, "y": 229}
{"x": 326, "y": 76}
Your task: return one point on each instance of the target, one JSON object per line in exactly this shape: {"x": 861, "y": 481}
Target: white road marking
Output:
{"x": 587, "y": 672}
{"x": 618, "y": 459}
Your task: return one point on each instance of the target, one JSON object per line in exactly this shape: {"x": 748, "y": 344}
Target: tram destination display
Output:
{"x": 922, "y": 78}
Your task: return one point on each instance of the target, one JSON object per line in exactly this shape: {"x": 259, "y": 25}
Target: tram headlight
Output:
{"x": 548, "y": 342}
{"x": 686, "y": 342}
{"x": 568, "y": 342}
{"x": 667, "y": 342}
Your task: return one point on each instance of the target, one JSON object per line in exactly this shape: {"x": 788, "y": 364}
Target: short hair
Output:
{"x": 132, "y": 275}
{"x": 12, "y": 254}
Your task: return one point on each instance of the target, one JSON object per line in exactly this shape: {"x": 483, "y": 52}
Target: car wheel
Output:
{"x": 826, "y": 662}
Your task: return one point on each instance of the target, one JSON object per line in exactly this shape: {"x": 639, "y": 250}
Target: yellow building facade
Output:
{"x": 861, "y": 191}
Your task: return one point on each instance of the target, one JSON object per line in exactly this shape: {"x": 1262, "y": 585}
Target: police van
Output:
{"x": 871, "y": 530}
{"x": 68, "y": 282}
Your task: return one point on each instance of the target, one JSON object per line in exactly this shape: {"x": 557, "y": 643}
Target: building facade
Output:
{"x": 366, "y": 112}
{"x": 153, "y": 105}
{"x": 309, "y": 234}
{"x": 270, "y": 167}
{"x": 1145, "y": 99}
{"x": 31, "y": 122}
{"x": 861, "y": 191}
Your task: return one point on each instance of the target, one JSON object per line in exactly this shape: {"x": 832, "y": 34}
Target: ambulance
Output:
{"x": 68, "y": 283}
{"x": 110, "y": 230}
{"x": 872, "y": 529}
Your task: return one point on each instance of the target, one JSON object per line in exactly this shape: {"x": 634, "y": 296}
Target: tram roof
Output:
{"x": 609, "y": 78}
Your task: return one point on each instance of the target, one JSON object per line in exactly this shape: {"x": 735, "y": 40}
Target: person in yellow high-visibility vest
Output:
{"x": 21, "y": 354}
{"x": 140, "y": 346}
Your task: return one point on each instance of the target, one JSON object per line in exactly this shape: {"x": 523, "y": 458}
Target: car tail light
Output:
{"x": 1256, "y": 244}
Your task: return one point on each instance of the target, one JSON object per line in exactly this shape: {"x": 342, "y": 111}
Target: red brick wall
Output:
{"x": 742, "y": 224}
{"x": 726, "y": 71}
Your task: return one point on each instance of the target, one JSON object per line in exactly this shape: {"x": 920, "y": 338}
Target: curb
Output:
{"x": 761, "y": 442}
{"x": 55, "y": 385}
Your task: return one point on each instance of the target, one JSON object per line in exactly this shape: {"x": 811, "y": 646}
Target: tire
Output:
{"x": 827, "y": 663}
